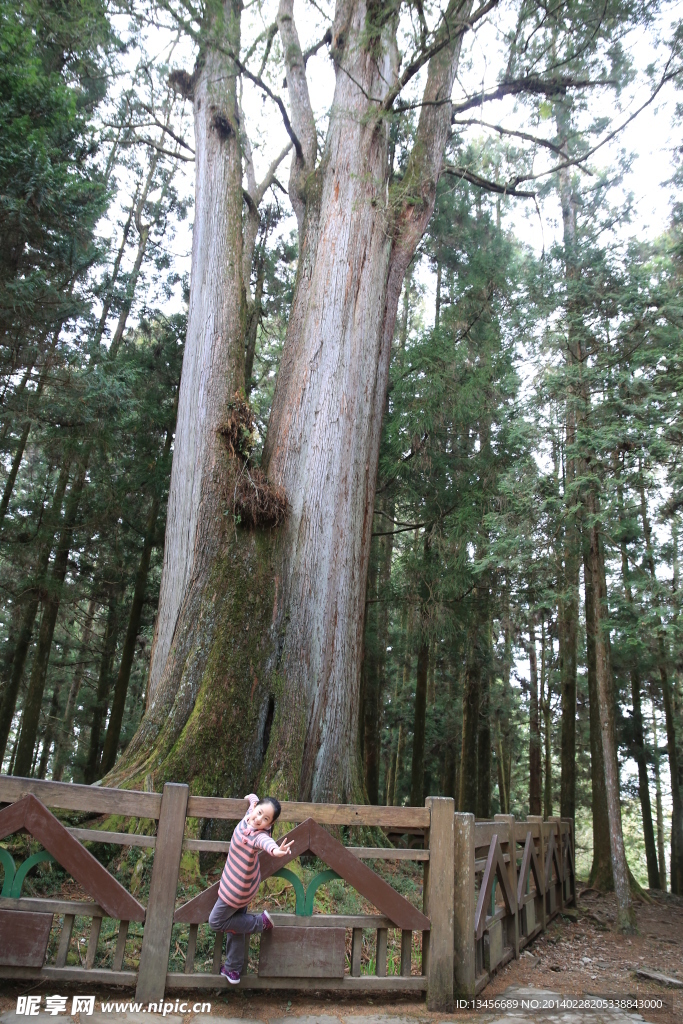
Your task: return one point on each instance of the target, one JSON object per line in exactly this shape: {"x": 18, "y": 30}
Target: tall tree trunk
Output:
{"x": 653, "y": 879}
{"x": 568, "y": 604}
{"x": 625, "y": 916}
{"x": 99, "y": 711}
{"x": 418, "y": 760}
{"x": 34, "y": 696}
{"x": 52, "y": 719}
{"x": 370, "y": 683}
{"x": 660, "y": 813}
{"x": 420, "y": 712}
{"x": 545, "y": 706}
{"x": 64, "y": 736}
{"x": 467, "y": 798}
{"x": 484, "y": 730}
{"x": 30, "y": 611}
{"x": 118, "y": 705}
{"x": 601, "y": 868}
{"x": 300, "y": 588}
{"x": 669, "y": 714}
{"x": 534, "y": 726}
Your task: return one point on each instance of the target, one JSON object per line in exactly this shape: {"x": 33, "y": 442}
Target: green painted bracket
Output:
{"x": 305, "y": 898}
{"x": 30, "y": 862}
{"x": 315, "y": 883}
{"x": 7, "y": 861}
{"x": 290, "y": 877}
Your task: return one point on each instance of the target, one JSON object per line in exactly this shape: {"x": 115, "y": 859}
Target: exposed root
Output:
{"x": 258, "y": 502}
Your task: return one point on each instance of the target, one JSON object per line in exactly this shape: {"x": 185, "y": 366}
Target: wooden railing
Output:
{"x": 489, "y": 889}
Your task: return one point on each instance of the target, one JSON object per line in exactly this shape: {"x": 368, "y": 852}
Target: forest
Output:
{"x": 376, "y": 493}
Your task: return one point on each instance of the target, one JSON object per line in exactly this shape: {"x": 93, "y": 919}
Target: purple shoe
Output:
{"x": 267, "y": 921}
{"x": 232, "y": 976}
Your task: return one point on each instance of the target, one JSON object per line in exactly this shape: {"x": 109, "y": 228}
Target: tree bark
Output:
{"x": 484, "y": 730}
{"x": 545, "y": 708}
{"x": 308, "y": 577}
{"x": 417, "y": 770}
{"x": 64, "y": 736}
{"x": 99, "y": 711}
{"x": 653, "y": 879}
{"x": 49, "y": 731}
{"x": 534, "y": 727}
{"x": 36, "y": 687}
{"x": 660, "y": 813}
{"x": 625, "y": 916}
{"x": 467, "y": 798}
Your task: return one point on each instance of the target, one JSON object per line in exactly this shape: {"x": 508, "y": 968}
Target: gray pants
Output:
{"x": 238, "y": 925}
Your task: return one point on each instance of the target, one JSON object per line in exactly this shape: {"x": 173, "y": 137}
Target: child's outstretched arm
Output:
{"x": 283, "y": 849}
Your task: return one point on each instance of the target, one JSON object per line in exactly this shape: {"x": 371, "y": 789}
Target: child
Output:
{"x": 240, "y": 881}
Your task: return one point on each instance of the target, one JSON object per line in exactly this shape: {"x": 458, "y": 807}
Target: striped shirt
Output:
{"x": 242, "y": 873}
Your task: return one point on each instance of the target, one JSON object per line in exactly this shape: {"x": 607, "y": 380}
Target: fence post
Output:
{"x": 538, "y": 818}
{"x": 569, "y": 822}
{"x": 463, "y": 904}
{"x": 438, "y": 901}
{"x": 156, "y": 939}
{"x": 508, "y": 834}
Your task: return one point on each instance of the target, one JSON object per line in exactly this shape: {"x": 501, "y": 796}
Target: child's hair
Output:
{"x": 274, "y": 803}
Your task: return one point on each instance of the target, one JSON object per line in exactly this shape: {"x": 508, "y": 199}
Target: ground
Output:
{"x": 574, "y": 958}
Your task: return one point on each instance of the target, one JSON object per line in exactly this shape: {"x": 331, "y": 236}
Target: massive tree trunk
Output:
{"x": 257, "y": 617}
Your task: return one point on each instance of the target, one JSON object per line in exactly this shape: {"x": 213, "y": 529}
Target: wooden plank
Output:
{"x": 406, "y": 953}
{"x": 367, "y": 853}
{"x": 120, "y": 950}
{"x": 324, "y": 814}
{"x": 362, "y": 852}
{"x": 191, "y": 948}
{"x": 23, "y": 938}
{"x": 92, "y": 942}
{"x": 68, "y": 796}
{"x": 356, "y": 950}
{"x": 463, "y": 905}
{"x": 366, "y": 983}
{"x": 156, "y": 939}
{"x": 98, "y": 976}
{"x": 439, "y": 895}
{"x": 65, "y": 940}
{"x": 95, "y": 835}
{"x": 508, "y": 836}
{"x": 33, "y": 904}
{"x": 72, "y": 856}
{"x": 381, "y": 953}
{"x": 298, "y": 952}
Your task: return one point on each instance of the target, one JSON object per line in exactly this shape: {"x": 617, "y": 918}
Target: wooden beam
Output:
{"x": 507, "y": 836}
{"x": 367, "y": 983}
{"x": 463, "y": 905}
{"x": 324, "y": 814}
{"x": 156, "y": 939}
{"x": 74, "y": 907}
{"x": 439, "y": 895}
{"x": 71, "y": 797}
{"x": 94, "y": 835}
{"x": 97, "y": 976}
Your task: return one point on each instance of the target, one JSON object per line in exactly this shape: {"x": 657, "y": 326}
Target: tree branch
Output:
{"x": 471, "y": 122}
{"x": 532, "y": 84}
{"x": 312, "y": 50}
{"x": 445, "y": 37}
{"x": 490, "y": 186}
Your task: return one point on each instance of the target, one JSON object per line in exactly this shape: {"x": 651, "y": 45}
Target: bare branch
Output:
{"x": 165, "y": 128}
{"x": 532, "y": 84}
{"x": 297, "y": 85}
{"x": 472, "y": 122}
{"x": 445, "y": 37}
{"x": 257, "y": 80}
{"x": 269, "y": 178}
{"x": 490, "y": 186}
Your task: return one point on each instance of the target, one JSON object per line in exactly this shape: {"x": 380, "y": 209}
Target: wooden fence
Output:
{"x": 489, "y": 888}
